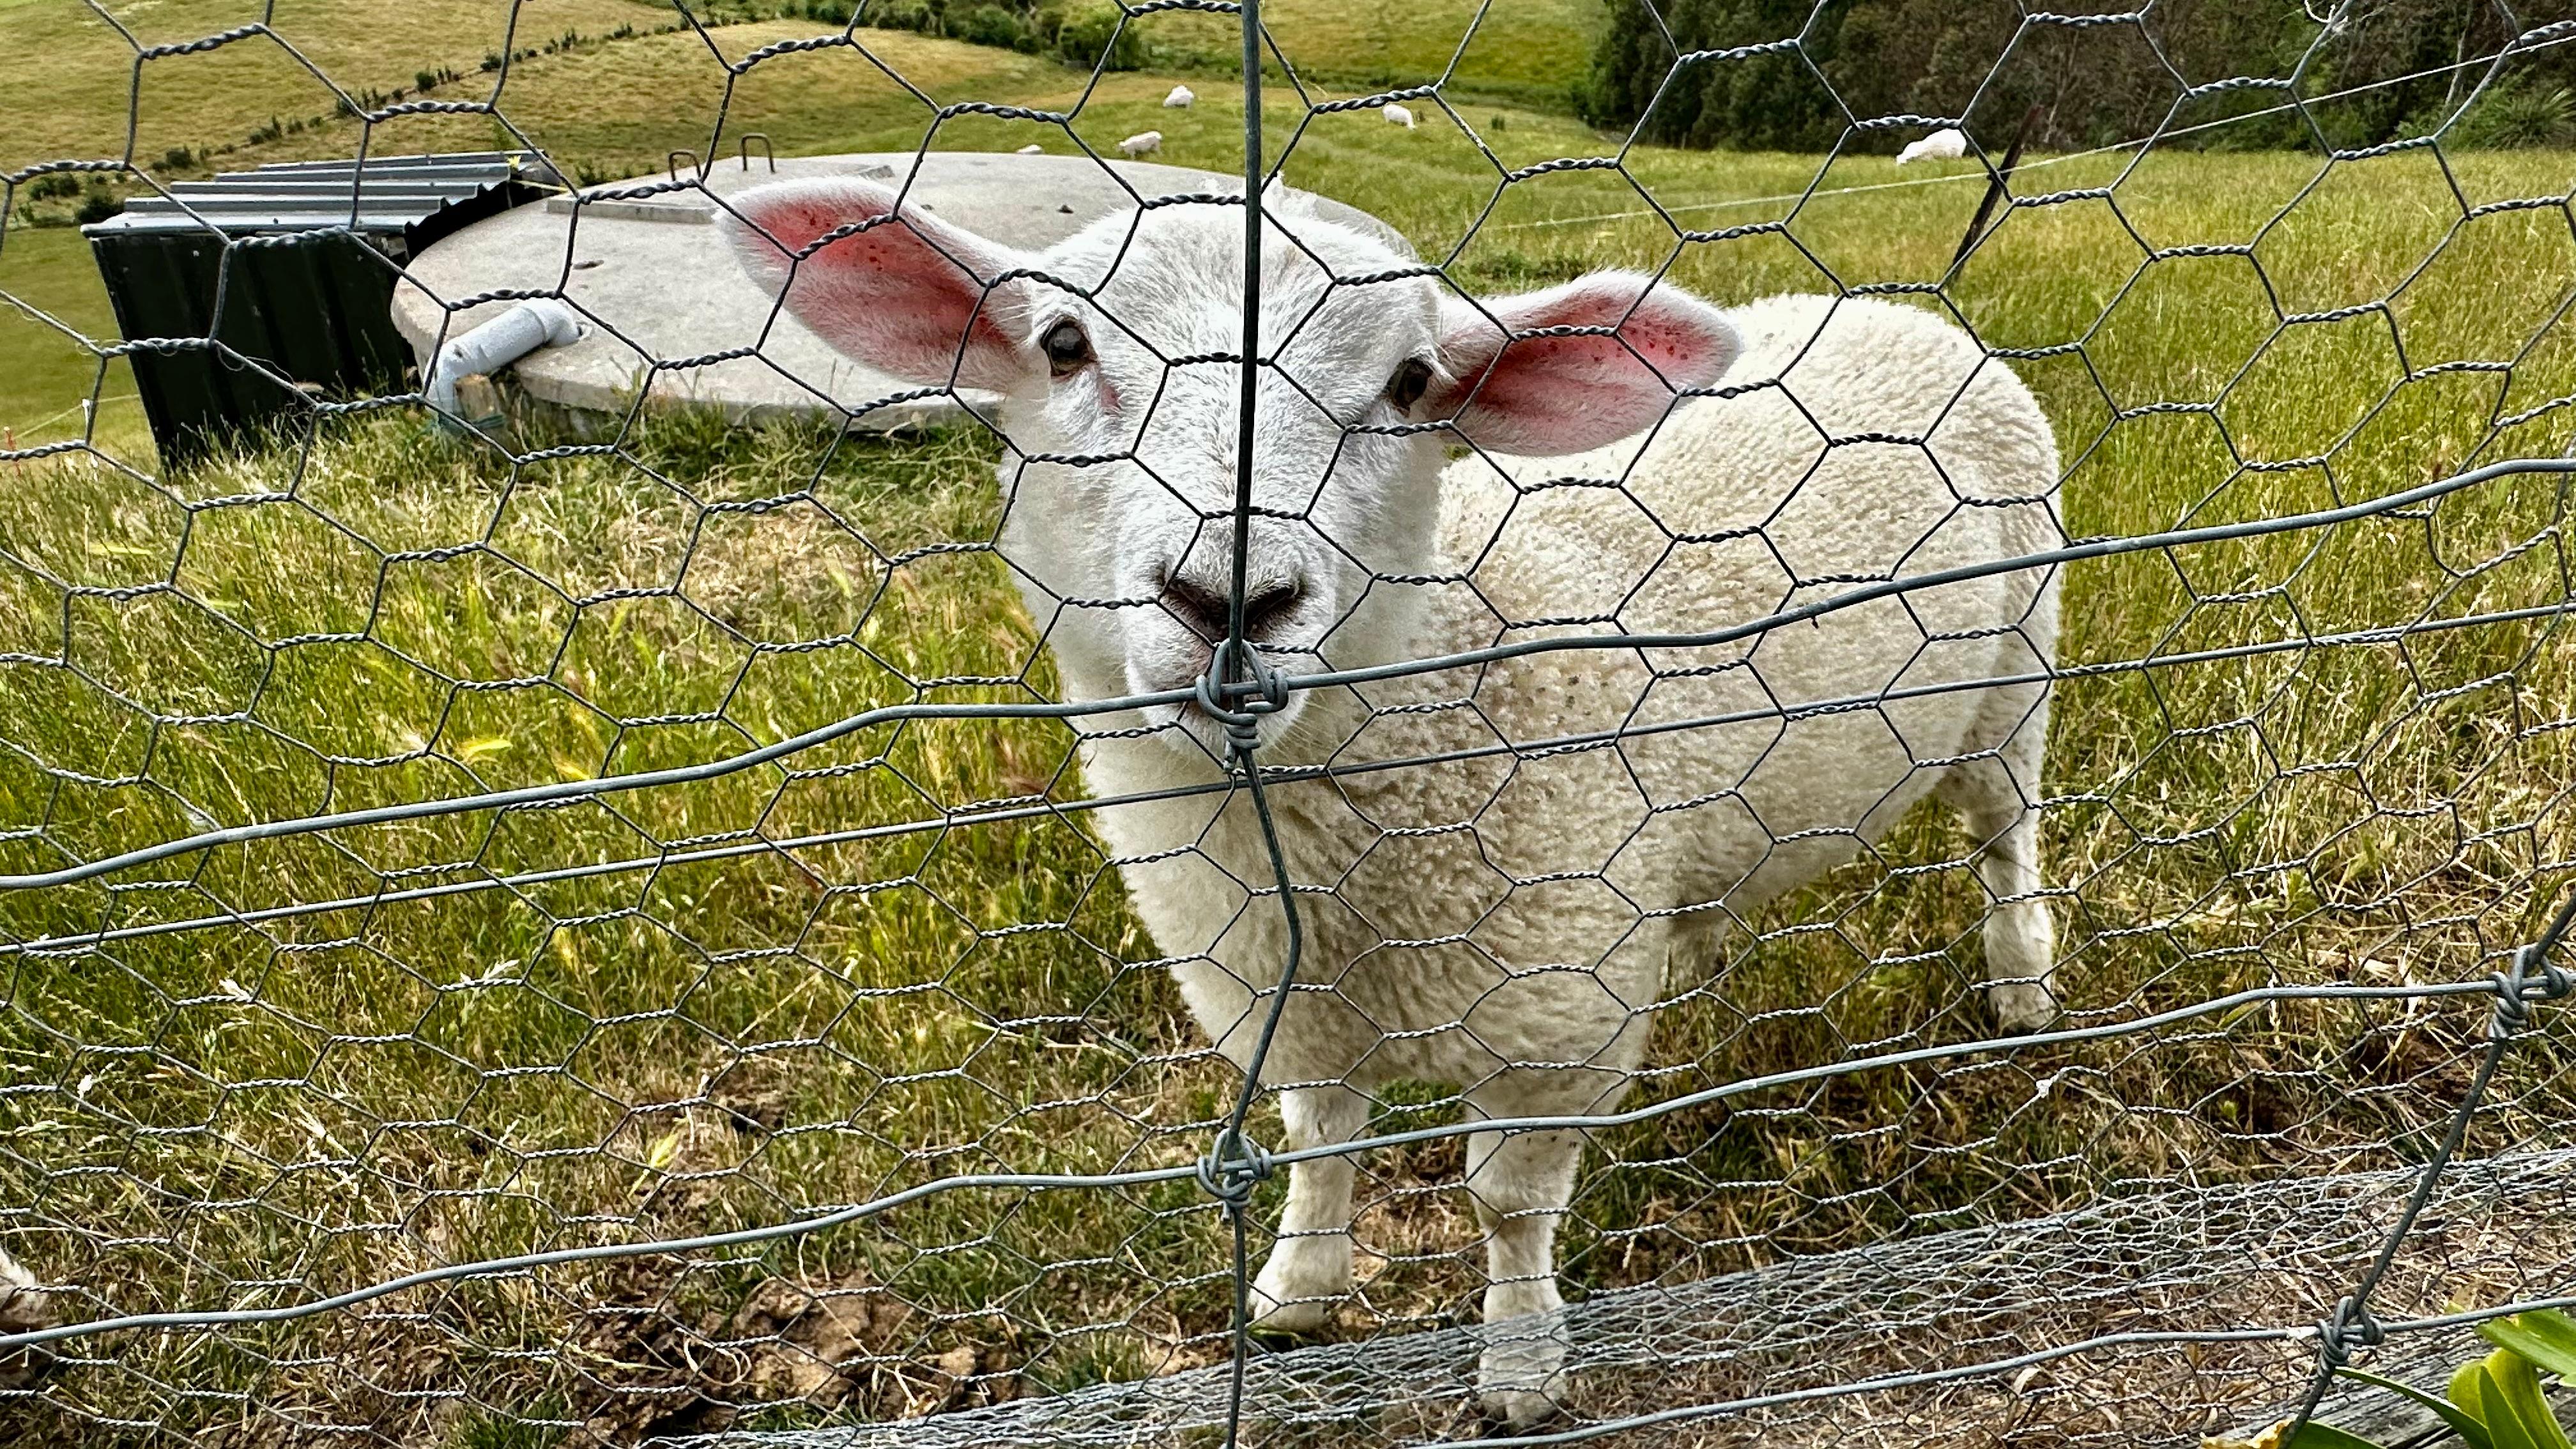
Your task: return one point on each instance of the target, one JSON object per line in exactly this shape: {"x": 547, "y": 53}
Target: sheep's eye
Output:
{"x": 1066, "y": 348}
{"x": 1409, "y": 383}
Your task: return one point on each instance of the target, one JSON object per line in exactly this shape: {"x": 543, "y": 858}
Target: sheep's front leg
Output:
{"x": 1310, "y": 1266}
{"x": 1520, "y": 1184}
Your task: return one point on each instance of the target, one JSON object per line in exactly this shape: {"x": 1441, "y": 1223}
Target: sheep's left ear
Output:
{"x": 1577, "y": 366}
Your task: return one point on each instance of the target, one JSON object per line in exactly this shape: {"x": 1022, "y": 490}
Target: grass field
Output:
{"x": 236, "y": 1116}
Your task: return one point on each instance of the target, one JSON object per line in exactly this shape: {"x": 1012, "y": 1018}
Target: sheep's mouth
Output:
{"x": 1188, "y": 727}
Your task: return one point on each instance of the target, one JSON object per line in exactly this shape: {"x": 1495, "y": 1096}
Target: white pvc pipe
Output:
{"x": 496, "y": 344}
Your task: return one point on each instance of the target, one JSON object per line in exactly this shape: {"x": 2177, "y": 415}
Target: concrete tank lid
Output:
{"x": 657, "y": 282}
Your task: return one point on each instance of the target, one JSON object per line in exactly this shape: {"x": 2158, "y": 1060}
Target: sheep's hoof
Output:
{"x": 1520, "y": 1378}
{"x": 1297, "y": 1289}
{"x": 1277, "y": 1340}
{"x": 2022, "y": 1006}
{"x": 24, "y": 1308}
{"x": 1511, "y": 1413}
{"x": 1292, "y": 1321}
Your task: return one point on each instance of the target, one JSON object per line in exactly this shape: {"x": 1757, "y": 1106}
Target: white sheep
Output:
{"x": 1396, "y": 115}
{"x": 1502, "y": 921}
{"x": 1947, "y": 144}
{"x": 1143, "y": 143}
{"x": 1180, "y": 99}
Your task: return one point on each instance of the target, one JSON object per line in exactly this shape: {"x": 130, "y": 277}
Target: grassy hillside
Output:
{"x": 246, "y": 1112}
{"x": 73, "y": 81}
{"x": 1531, "y": 54}
{"x": 1438, "y": 183}
{"x": 47, "y": 373}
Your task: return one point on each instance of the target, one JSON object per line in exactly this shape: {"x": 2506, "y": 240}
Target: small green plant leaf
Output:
{"x": 2505, "y": 1428}
{"x": 2519, "y": 1386}
{"x": 2471, "y": 1429}
{"x": 2545, "y": 1336}
{"x": 2465, "y": 1381}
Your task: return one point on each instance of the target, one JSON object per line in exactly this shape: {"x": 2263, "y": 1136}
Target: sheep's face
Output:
{"x": 1114, "y": 357}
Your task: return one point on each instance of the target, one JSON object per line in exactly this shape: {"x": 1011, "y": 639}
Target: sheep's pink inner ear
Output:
{"x": 1550, "y": 395}
{"x": 909, "y": 295}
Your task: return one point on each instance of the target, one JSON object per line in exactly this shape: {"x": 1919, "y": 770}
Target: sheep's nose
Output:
{"x": 1202, "y": 606}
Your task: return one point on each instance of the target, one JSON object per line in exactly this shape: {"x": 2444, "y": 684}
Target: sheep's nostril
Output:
{"x": 1206, "y": 612}
{"x": 1200, "y": 611}
{"x": 1266, "y": 605}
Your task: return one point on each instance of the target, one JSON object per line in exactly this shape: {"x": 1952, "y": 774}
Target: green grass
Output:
{"x": 354, "y": 620}
{"x": 75, "y": 87}
{"x": 54, "y": 319}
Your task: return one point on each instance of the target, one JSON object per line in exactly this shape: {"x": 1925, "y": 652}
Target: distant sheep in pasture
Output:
{"x": 1947, "y": 144}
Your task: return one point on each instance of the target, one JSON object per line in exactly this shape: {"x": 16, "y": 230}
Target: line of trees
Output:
{"x": 1078, "y": 32}
{"x": 2095, "y": 83}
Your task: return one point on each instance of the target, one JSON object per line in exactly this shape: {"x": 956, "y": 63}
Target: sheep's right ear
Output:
{"x": 1577, "y": 366}
{"x": 896, "y": 289}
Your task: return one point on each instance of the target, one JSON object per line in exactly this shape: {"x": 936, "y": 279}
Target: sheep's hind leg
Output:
{"x": 1520, "y": 1184}
{"x": 1996, "y": 796}
{"x": 1310, "y": 1266}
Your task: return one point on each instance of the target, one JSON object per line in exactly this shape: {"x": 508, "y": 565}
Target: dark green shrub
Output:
{"x": 989, "y": 25}
{"x": 1091, "y": 37}
{"x": 2518, "y": 117}
{"x": 918, "y": 15}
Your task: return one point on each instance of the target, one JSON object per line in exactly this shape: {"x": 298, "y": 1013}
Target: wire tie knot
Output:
{"x": 1233, "y": 1166}
{"x": 2532, "y": 977}
{"x": 2350, "y": 1326}
{"x": 1218, "y": 689}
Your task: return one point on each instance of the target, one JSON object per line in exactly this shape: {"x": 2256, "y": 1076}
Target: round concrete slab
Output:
{"x": 657, "y": 284}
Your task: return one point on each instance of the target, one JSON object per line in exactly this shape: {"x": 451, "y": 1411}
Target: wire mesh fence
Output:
{"x": 885, "y": 843}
